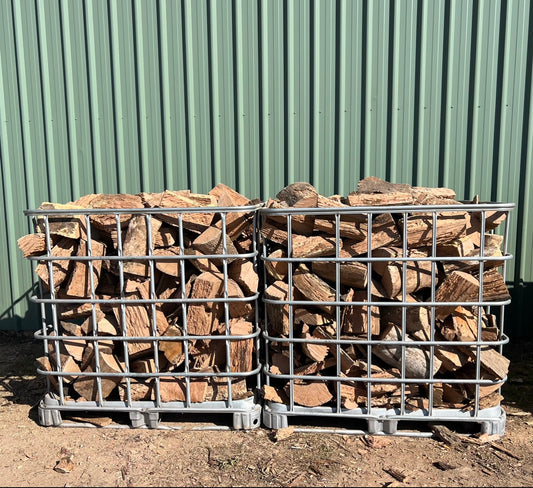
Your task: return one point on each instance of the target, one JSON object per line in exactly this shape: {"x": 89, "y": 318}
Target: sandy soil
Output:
{"x": 33, "y": 455}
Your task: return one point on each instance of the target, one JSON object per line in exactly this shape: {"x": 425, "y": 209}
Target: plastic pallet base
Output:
{"x": 243, "y": 415}
{"x": 382, "y": 421}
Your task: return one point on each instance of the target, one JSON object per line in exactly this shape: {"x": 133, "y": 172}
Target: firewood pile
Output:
{"x": 325, "y": 346}
{"x": 140, "y": 272}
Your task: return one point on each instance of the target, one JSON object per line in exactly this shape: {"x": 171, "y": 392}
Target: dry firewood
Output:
{"x": 245, "y": 243}
{"x": 301, "y": 246}
{"x": 136, "y": 243}
{"x": 380, "y": 199}
{"x": 60, "y": 359}
{"x": 32, "y": 244}
{"x": 168, "y": 288}
{"x": 494, "y": 287}
{"x": 139, "y": 390}
{"x": 64, "y": 225}
{"x": 105, "y": 325}
{"x": 60, "y": 268}
{"x": 427, "y": 195}
{"x": 274, "y": 232}
{"x": 351, "y": 273}
{"x": 42, "y": 363}
{"x": 384, "y": 232}
{"x": 302, "y": 315}
{"x": 137, "y": 321}
{"x": 173, "y": 350}
{"x": 490, "y": 359}
{"x": 347, "y": 364}
{"x": 243, "y": 272}
{"x": 312, "y": 368}
{"x": 493, "y": 218}
{"x": 194, "y": 221}
{"x": 241, "y": 350}
{"x": 108, "y": 222}
{"x": 351, "y": 225}
{"x": 235, "y": 221}
{"x": 271, "y": 394}
{"x": 347, "y": 229}
{"x": 355, "y": 318}
{"x": 469, "y": 373}
{"x": 417, "y": 318}
{"x": 81, "y": 310}
{"x": 313, "y": 246}
{"x": 451, "y": 357}
{"x": 302, "y": 224}
{"x": 275, "y": 268}
{"x": 462, "y": 246}
{"x": 279, "y": 319}
{"x": 461, "y": 325}
{"x": 146, "y": 365}
{"x": 356, "y": 392}
{"x": 218, "y": 389}
{"x": 458, "y": 286}
{"x": 214, "y": 241}
{"x": 87, "y": 386}
{"x": 202, "y": 318}
{"x": 315, "y": 352}
{"x": 74, "y": 347}
{"x": 309, "y": 393}
{"x": 171, "y": 267}
{"x": 418, "y": 274}
{"x": 373, "y": 184}
{"x": 419, "y": 227}
{"x": 200, "y": 263}
{"x": 492, "y": 250}
{"x": 175, "y": 388}
{"x": 296, "y": 191}
{"x": 417, "y": 361}
{"x": 79, "y": 282}
{"x": 166, "y": 236}
{"x": 313, "y": 288}
{"x": 279, "y": 363}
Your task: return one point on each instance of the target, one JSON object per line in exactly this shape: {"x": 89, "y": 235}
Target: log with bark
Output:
{"x": 371, "y": 294}
{"x": 168, "y": 285}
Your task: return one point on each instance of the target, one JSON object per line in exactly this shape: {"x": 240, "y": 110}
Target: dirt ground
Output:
{"x": 33, "y": 455}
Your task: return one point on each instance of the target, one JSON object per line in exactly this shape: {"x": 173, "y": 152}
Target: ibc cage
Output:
{"x": 148, "y": 312}
{"x": 374, "y": 322}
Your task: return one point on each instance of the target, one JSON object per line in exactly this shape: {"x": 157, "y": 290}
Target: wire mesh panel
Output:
{"x": 376, "y": 316}
{"x": 148, "y": 309}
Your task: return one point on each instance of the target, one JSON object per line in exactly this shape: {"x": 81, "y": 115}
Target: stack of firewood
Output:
{"x": 136, "y": 256}
{"x": 300, "y": 338}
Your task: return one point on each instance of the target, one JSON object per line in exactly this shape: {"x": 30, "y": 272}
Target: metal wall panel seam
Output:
{"x": 238, "y": 95}
{"x": 484, "y": 101}
{"x": 457, "y": 103}
{"x": 524, "y": 266}
{"x": 377, "y": 86}
{"x": 117, "y": 98}
{"x": 430, "y": 93}
{"x": 96, "y": 142}
{"x": 70, "y": 116}
{"x": 324, "y": 64}
{"x": 513, "y": 94}
{"x": 44, "y": 79}
{"x": 142, "y": 115}
{"x": 402, "y": 109}
{"x": 8, "y": 276}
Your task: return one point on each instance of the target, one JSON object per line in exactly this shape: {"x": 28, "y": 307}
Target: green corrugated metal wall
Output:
{"x": 138, "y": 95}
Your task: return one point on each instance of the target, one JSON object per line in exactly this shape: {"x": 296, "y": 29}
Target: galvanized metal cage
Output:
{"x": 138, "y": 387}
{"x": 369, "y": 381}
